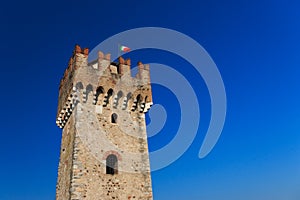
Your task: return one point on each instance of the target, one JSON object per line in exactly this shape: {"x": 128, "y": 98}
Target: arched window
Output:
{"x": 119, "y": 96}
{"x": 117, "y": 99}
{"x": 126, "y": 99}
{"x": 138, "y": 98}
{"x": 111, "y": 164}
{"x": 136, "y": 102}
{"x": 114, "y": 118}
{"x": 129, "y": 95}
{"x": 99, "y": 95}
{"x": 79, "y": 86}
{"x": 89, "y": 89}
{"x": 109, "y": 94}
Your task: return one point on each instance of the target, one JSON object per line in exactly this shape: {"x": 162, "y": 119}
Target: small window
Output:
{"x": 109, "y": 94}
{"x": 114, "y": 118}
{"x": 111, "y": 164}
{"x": 99, "y": 95}
{"x": 129, "y": 95}
{"x": 89, "y": 90}
{"x": 119, "y": 96}
{"x": 79, "y": 86}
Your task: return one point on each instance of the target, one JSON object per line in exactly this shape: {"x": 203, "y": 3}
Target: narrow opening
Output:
{"x": 138, "y": 98}
{"x": 89, "y": 90}
{"x": 109, "y": 94}
{"x": 111, "y": 164}
{"x": 79, "y": 86}
{"x": 129, "y": 95}
{"x": 99, "y": 94}
{"x": 120, "y": 94}
{"x": 114, "y": 118}
{"x": 137, "y": 102}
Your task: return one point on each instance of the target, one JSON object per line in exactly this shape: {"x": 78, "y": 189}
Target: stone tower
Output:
{"x": 101, "y": 111}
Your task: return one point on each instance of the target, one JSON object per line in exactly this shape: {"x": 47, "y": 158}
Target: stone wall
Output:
{"x": 66, "y": 161}
{"x": 90, "y": 135}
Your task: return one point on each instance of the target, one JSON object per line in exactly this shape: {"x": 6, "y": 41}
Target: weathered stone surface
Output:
{"x": 101, "y": 111}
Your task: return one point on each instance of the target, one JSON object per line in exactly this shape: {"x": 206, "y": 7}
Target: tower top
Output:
{"x": 79, "y": 74}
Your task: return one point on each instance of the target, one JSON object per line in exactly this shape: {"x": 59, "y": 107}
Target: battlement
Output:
{"x": 102, "y": 83}
{"x": 122, "y": 67}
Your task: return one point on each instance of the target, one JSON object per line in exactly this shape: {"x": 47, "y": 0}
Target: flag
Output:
{"x": 124, "y": 48}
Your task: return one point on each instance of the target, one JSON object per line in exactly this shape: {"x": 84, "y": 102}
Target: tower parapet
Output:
{"x": 72, "y": 82}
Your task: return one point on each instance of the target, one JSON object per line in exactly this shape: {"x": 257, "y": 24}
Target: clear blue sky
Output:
{"x": 256, "y": 46}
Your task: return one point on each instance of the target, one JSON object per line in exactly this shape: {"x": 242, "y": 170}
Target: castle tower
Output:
{"x": 101, "y": 111}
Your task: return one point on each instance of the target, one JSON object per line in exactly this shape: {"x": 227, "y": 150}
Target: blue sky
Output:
{"x": 255, "y": 45}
